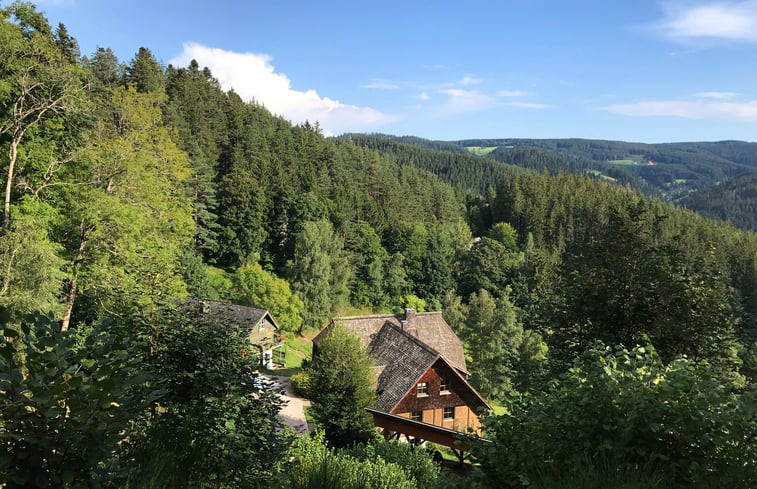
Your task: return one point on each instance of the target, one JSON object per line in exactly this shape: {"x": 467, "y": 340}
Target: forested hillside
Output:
{"x": 685, "y": 173}
{"x": 131, "y": 186}
{"x": 734, "y": 201}
{"x": 668, "y": 170}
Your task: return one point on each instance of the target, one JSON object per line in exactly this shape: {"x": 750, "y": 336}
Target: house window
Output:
{"x": 416, "y": 415}
{"x": 444, "y": 387}
{"x": 422, "y": 389}
{"x": 449, "y": 413}
{"x": 262, "y": 325}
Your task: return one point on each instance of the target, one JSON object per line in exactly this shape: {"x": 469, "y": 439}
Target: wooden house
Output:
{"x": 420, "y": 369}
{"x": 262, "y": 330}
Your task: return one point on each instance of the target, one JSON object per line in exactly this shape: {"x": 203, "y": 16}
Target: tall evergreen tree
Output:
{"x": 320, "y": 272}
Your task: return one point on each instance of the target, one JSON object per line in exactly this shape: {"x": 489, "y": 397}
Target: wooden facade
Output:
{"x": 436, "y": 403}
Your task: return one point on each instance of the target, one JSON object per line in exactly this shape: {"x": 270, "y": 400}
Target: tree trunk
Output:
{"x": 73, "y": 286}
{"x": 12, "y": 154}
{"x": 70, "y": 299}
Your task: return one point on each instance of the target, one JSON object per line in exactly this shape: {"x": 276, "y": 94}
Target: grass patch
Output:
{"x": 296, "y": 349}
{"x": 623, "y": 162}
{"x": 309, "y": 415}
{"x": 497, "y": 408}
{"x": 480, "y": 150}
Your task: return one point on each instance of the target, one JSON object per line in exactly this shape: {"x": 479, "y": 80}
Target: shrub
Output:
{"x": 216, "y": 427}
{"x": 314, "y": 466}
{"x": 416, "y": 463}
{"x": 301, "y": 383}
{"x": 67, "y": 400}
{"x": 626, "y": 409}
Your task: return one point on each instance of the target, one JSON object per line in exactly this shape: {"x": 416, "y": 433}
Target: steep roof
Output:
{"x": 242, "y": 316}
{"x": 429, "y": 327}
{"x": 405, "y": 359}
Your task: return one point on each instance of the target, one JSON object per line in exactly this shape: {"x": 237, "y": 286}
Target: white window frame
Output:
{"x": 444, "y": 414}
{"x": 418, "y": 388}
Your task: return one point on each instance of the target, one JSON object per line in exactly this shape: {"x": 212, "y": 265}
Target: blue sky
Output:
{"x": 635, "y": 70}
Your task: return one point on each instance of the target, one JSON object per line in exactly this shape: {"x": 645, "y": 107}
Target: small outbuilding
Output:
{"x": 263, "y": 332}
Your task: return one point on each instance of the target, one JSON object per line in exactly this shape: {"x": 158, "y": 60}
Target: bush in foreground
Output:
{"x": 628, "y": 413}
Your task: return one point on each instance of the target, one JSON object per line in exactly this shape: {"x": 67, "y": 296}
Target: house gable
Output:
{"x": 443, "y": 398}
{"x": 429, "y": 327}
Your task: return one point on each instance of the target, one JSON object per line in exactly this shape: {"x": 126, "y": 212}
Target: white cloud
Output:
{"x": 513, "y": 93}
{"x": 464, "y": 101}
{"x": 725, "y": 20}
{"x": 717, "y": 95}
{"x": 469, "y": 80}
{"x": 253, "y": 76}
{"x": 689, "y": 109}
{"x": 423, "y": 96}
{"x": 382, "y": 84}
{"x": 528, "y": 105}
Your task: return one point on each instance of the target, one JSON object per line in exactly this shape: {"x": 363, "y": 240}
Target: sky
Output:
{"x": 632, "y": 70}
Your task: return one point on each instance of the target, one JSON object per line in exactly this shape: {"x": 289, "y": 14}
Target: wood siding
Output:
{"x": 432, "y": 405}
{"x": 265, "y": 337}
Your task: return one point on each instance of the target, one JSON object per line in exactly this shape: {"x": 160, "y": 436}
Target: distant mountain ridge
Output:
{"x": 693, "y": 174}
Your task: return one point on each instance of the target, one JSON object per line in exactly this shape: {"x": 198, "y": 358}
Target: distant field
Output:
{"x": 627, "y": 161}
{"x": 480, "y": 150}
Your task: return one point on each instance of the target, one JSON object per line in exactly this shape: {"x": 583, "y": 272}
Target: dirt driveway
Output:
{"x": 293, "y": 413}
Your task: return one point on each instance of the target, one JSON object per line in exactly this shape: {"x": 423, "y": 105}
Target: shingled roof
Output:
{"x": 429, "y": 327}
{"x": 241, "y": 316}
{"x": 404, "y": 359}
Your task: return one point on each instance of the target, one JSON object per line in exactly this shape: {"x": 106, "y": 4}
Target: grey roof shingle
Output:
{"x": 241, "y": 316}
{"x": 429, "y": 327}
{"x": 404, "y": 358}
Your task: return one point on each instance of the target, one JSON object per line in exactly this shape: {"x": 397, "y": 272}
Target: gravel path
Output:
{"x": 293, "y": 412}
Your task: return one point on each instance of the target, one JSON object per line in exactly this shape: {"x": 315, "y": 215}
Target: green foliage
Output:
{"x": 320, "y": 272}
{"x": 489, "y": 265}
{"x": 255, "y": 287}
{"x": 635, "y": 281}
{"x": 67, "y": 402}
{"x": 378, "y": 465}
{"x": 341, "y": 379}
{"x": 221, "y": 283}
{"x": 30, "y": 263}
{"x": 38, "y": 83}
{"x": 416, "y": 463}
{"x": 413, "y": 302}
{"x": 215, "y": 428}
{"x": 502, "y": 355}
{"x": 125, "y": 221}
{"x": 628, "y": 409}
{"x": 145, "y": 73}
{"x": 734, "y": 201}
{"x": 302, "y": 384}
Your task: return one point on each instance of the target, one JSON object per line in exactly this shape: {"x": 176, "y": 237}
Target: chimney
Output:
{"x": 409, "y": 314}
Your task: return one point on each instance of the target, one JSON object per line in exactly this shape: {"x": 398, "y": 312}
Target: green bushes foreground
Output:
{"x": 621, "y": 413}
{"x": 375, "y": 465}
